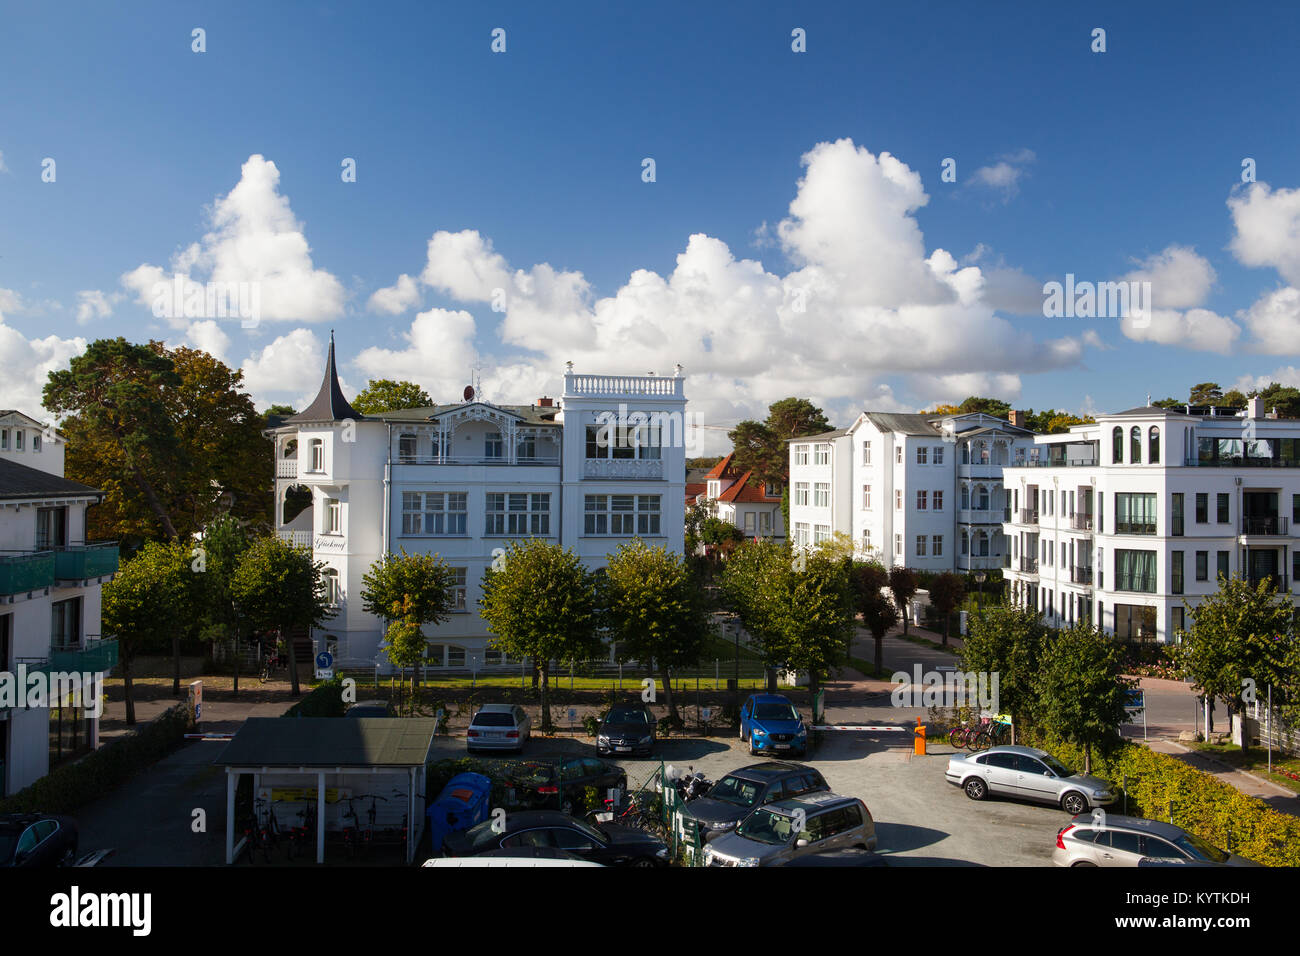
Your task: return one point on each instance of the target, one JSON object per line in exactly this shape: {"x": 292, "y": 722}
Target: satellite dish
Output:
{"x": 469, "y": 392}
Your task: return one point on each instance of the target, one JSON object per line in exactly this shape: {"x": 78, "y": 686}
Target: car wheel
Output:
{"x": 975, "y": 788}
{"x": 643, "y": 863}
{"x": 1074, "y": 804}
{"x": 1082, "y": 863}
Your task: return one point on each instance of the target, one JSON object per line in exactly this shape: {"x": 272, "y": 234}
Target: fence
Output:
{"x": 1271, "y": 730}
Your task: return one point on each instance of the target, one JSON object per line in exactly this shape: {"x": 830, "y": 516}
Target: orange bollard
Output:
{"x": 918, "y": 743}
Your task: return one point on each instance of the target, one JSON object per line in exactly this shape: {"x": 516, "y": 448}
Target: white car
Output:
{"x": 499, "y": 727}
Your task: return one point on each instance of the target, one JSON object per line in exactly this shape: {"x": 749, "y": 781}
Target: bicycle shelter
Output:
{"x": 327, "y": 760}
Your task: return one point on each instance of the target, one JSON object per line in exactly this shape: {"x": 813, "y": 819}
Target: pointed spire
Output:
{"x": 329, "y": 405}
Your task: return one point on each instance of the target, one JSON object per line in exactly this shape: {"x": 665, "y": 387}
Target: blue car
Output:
{"x": 771, "y": 725}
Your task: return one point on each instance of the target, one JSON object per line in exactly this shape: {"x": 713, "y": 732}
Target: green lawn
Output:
{"x": 1254, "y": 760}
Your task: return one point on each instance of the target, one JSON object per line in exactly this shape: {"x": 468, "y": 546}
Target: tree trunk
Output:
{"x": 236, "y": 690}
{"x": 151, "y": 499}
{"x": 545, "y": 669}
{"x": 176, "y": 664}
{"x": 880, "y": 655}
{"x": 128, "y": 690}
{"x": 1087, "y": 757}
{"x": 666, "y": 677}
{"x": 293, "y": 666}
{"x": 946, "y": 618}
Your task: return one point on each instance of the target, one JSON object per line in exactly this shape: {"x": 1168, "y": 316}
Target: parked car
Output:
{"x": 607, "y": 843}
{"x": 771, "y": 724}
{"x": 37, "y": 839}
{"x": 533, "y": 783}
{"x": 369, "y": 708}
{"x": 533, "y": 856}
{"x": 1132, "y": 841}
{"x": 1028, "y": 774}
{"x": 770, "y": 836}
{"x": 626, "y": 730}
{"x": 853, "y": 857}
{"x": 738, "y": 794}
{"x": 499, "y": 727}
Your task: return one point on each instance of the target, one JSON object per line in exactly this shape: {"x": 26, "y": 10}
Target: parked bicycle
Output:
{"x": 267, "y": 828}
{"x": 272, "y": 663}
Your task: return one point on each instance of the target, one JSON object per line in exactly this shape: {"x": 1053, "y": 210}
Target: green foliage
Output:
{"x": 73, "y": 785}
{"x": 654, "y": 608}
{"x": 869, "y": 581}
{"x": 1159, "y": 786}
{"x": 761, "y": 447}
{"x": 903, "y": 584}
{"x": 947, "y": 591}
{"x": 325, "y": 700}
{"x": 385, "y": 395}
{"x": 988, "y": 406}
{"x": 409, "y": 590}
{"x": 1239, "y": 634}
{"x": 1008, "y": 640}
{"x": 541, "y": 604}
{"x": 1081, "y": 689}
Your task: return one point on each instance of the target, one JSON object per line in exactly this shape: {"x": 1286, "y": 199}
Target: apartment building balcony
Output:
{"x": 1135, "y": 527}
{"x": 635, "y": 468}
{"x": 24, "y": 571}
{"x": 97, "y": 657}
{"x": 1265, "y": 527}
{"x": 979, "y": 470}
{"x": 1084, "y": 462}
{"x": 1081, "y": 522}
{"x": 980, "y": 516}
{"x": 624, "y": 386}
{"x": 78, "y": 563}
{"x": 299, "y": 539}
{"x": 1028, "y": 516}
{"x": 1028, "y": 565}
{"x": 1082, "y": 576}
{"x": 286, "y": 468}
{"x": 1281, "y": 581}
{"x": 494, "y": 460}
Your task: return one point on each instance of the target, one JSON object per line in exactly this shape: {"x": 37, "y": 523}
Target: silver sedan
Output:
{"x": 1028, "y": 774}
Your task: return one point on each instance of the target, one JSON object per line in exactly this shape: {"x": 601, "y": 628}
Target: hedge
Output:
{"x": 325, "y": 701}
{"x": 72, "y": 786}
{"x": 1200, "y": 803}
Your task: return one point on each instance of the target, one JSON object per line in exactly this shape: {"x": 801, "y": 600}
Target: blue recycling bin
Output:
{"x": 463, "y": 802}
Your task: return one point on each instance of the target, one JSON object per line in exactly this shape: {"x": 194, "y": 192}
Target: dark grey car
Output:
{"x": 733, "y": 798}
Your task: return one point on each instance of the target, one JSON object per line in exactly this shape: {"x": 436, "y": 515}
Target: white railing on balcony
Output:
{"x": 622, "y": 468}
{"x": 622, "y": 386}
{"x": 286, "y": 468}
{"x": 299, "y": 539}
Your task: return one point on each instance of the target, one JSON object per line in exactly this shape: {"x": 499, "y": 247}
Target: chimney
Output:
{"x": 544, "y": 403}
{"x": 1255, "y": 407}
{"x": 1018, "y": 419}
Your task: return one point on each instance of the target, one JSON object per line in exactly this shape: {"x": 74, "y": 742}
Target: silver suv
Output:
{"x": 770, "y": 837}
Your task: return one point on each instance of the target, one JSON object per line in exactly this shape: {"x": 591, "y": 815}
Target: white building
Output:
{"x": 50, "y": 580}
{"x": 603, "y": 465}
{"x": 922, "y": 491}
{"x": 1126, "y": 521}
{"x": 754, "y": 509}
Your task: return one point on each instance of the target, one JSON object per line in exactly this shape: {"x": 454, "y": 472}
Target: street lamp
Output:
{"x": 979, "y": 580}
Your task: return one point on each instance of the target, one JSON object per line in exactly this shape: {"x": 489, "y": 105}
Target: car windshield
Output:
{"x": 1191, "y": 843}
{"x": 482, "y": 835}
{"x": 733, "y": 790}
{"x": 627, "y": 716}
{"x": 1057, "y": 767}
{"x": 767, "y": 827}
{"x": 495, "y": 719}
{"x": 775, "y": 712}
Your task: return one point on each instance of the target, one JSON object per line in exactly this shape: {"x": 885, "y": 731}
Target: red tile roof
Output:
{"x": 721, "y": 469}
{"x": 694, "y": 490}
{"x": 744, "y": 493}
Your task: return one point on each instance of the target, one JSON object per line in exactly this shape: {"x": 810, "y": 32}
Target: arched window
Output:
{"x": 965, "y": 453}
{"x": 297, "y": 499}
{"x": 965, "y": 497}
{"x": 1153, "y": 446}
{"x": 290, "y": 449}
{"x": 1117, "y": 445}
{"x": 982, "y": 498}
{"x": 1135, "y": 445}
{"x": 333, "y": 593}
{"x": 317, "y": 450}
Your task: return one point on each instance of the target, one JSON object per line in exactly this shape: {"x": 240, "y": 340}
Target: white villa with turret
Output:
{"x": 601, "y": 465}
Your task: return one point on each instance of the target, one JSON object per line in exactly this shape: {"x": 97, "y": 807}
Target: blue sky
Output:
{"x": 1068, "y": 161}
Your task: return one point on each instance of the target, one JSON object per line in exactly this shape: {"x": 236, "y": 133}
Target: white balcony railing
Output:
{"x": 286, "y": 468}
{"x": 622, "y": 468}
{"x": 622, "y": 386}
{"x": 299, "y": 539}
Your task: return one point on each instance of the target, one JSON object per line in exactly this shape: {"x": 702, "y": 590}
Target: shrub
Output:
{"x": 1158, "y": 784}
{"x": 71, "y": 786}
{"x": 325, "y": 701}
